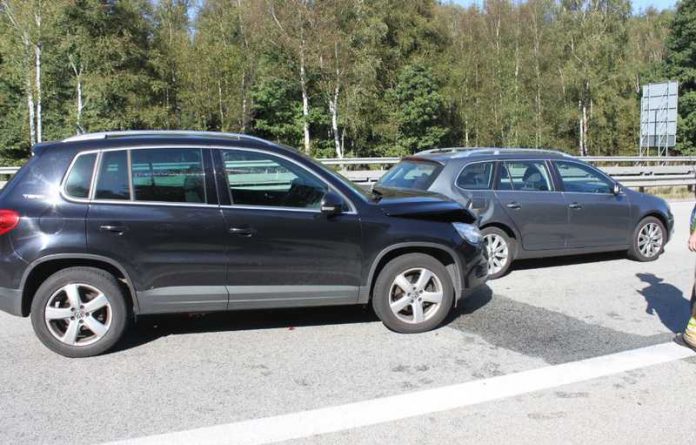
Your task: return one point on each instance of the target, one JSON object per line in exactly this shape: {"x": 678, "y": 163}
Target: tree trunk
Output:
{"x": 220, "y": 108}
{"x": 583, "y": 128}
{"x": 305, "y": 100}
{"x": 333, "y": 106}
{"x": 37, "y": 56}
{"x": 333, "y": 109}
{"x": 244, "y": 104}
{"x": 580, "y": 128}
{"x": 245, "y": 70}
{"x": 30, "y": 107}
{"x": 537, "y": 73}
{"x": 79, "y": 104}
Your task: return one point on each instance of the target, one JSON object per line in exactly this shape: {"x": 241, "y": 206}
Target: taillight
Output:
{"x": 9, "y": 219}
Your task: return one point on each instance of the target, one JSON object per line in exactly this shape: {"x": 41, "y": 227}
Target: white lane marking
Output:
{"x": 370, "y": 412}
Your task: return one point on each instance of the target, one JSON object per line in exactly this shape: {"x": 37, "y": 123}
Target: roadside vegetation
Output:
{"x": 342, "y": 78}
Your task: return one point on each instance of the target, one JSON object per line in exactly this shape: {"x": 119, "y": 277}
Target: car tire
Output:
{"x": 80, "y": 312}
{"x": 500, "y": 251}
{"x": 420, "y": 307}
{"x": 648, "y": 242}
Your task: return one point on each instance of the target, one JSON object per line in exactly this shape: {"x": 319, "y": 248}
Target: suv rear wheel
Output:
{"x": 79, "y": 312}
{"x": 413, "y": 293}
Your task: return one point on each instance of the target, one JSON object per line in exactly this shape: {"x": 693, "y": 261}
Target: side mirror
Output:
{"x": 617, "y": 188}
{"x": 331, "y": 204}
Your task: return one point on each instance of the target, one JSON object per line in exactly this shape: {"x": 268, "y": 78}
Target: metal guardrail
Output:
{"x": 641, "y": 172}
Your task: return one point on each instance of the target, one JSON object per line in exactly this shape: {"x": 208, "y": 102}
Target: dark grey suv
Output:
{"x": 101, "y": 227}
{"x": 539, "y": 203}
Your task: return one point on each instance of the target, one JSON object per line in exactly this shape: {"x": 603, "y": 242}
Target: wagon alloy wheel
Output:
{"x": 650, "y": 240}
{"x": 416, "y": 295}
{"x": 498, "y": 252}
{"x": 78, "y": 314}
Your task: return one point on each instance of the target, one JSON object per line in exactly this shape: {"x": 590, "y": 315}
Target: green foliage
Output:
{"x": 379, "y": 77}
{"x": 278, "y": 117}
{"x": 680, "y": 64}
{"x": 418, "y": 109}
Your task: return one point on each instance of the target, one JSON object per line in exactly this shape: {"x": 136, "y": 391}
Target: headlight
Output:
{"x": 469, "y": 232}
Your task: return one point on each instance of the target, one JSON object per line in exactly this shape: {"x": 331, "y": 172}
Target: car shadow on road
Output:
{"x": 665, "y": 300}
{"x": 571, "y": 260}
{"x": 472, "y": 303}
{"x": 152, "y": 327}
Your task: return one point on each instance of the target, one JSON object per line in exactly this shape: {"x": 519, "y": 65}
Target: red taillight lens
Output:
{"x": 9, "y": 219}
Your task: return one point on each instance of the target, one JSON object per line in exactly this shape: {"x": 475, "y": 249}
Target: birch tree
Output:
{"x": 21, "y": 16}
{"x": 294, "y": 22}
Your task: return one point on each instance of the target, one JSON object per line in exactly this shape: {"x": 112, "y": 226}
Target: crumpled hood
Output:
{"x": 422, "y": 205}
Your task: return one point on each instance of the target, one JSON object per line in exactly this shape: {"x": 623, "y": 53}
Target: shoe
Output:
{"x": 679, "y": 339}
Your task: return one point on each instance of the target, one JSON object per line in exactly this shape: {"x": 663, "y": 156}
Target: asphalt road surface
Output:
{"x": 571, "y": 350}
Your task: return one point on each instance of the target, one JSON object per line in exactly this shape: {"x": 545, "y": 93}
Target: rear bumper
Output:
{"x": 11, "y": 301}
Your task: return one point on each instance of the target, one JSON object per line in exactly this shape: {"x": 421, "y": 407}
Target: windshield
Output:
{"x": 411, "y": 174}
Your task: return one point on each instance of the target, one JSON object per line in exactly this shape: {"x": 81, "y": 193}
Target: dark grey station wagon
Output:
{"x": 539, "y": 203}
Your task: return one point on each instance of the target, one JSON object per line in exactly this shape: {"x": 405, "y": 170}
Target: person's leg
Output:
{"x": 688, "y": 338}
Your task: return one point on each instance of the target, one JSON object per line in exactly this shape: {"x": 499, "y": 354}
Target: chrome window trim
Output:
{"x": 97, "y": 164}
{"x": 601, "y": 173}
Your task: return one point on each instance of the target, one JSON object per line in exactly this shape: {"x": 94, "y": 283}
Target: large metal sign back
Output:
{"x": 658, "y": 118}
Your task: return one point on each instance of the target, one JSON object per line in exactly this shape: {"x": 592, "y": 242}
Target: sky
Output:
{"x": 638, "y": 5}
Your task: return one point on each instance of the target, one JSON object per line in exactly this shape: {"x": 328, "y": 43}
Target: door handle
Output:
{"x": 513, "y": 205}
{"x": 242, "y": 231}
{"x": 119, "y": 230}
{"x": 575, "y": 206}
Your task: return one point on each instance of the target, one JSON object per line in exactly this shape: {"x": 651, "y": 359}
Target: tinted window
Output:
{"x": 168, "y": 175}
{"x": 417, "y": 175}
{"x": 528, "y": 176}
{"x": 259, "y": 179}
{"x": 112, "y": 182}
{"x": 80, "y": 177}
{"x": 582, "y": 178}
{"x": 477, "y": 176}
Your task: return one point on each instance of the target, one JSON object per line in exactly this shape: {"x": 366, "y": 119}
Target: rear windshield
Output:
{"x": 410, "y": 174}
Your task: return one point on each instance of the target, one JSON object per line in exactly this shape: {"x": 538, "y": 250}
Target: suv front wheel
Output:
{"x": 413, "y": 293}
{"x": 79, "y": 312}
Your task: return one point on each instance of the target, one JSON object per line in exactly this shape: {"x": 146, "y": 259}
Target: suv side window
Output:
{"x": 260, "y": 179}
{"x": 476, "y": 176}
{"x": 79, "y": 178}
{"x": 527, "y": 176}
{"x": 581, "y": 178}
{"x": 168, "y": 175}
{"x": 112, "y": 182}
